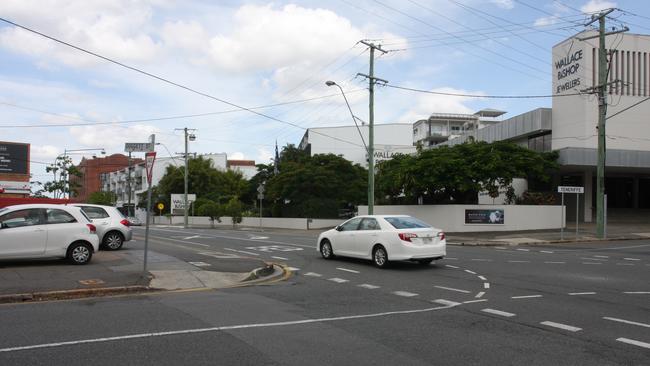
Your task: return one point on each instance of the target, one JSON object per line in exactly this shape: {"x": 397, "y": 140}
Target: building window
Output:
{"x": 540, "y": 143}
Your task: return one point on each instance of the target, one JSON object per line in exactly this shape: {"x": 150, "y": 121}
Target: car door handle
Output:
{"x": 39, "y": 229}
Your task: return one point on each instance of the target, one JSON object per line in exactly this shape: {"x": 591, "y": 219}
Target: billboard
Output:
{"x": 177, "y": 203}
{"x": 485, "y": 216}
{"x": 14, "y": 158}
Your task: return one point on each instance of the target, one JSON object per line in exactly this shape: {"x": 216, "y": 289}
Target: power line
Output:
{"x": 483, "y": 96}
{"x": 187, "y": 88}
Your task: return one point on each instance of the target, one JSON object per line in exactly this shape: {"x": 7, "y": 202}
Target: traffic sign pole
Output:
{"x": 150, "y": 158}
{"x": 562, "y": 223}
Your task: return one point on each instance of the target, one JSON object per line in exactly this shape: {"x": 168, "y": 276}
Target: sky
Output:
{"x": 223, "y": 55}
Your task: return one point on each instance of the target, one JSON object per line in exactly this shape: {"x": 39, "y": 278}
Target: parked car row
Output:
{"x": 73, "y": 232}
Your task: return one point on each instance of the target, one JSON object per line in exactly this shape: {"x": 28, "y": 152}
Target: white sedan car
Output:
{"x": 384, "y": 238}
{"x": 45, "y": 231}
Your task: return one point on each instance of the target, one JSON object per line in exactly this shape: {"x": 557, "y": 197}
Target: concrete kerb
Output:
{"x": 541, "y": 242}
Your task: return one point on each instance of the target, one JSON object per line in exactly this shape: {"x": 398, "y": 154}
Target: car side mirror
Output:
{"x": 339, "y": 228}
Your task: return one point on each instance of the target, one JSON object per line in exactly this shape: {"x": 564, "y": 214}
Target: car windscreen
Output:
{"x": 406, "y": 223}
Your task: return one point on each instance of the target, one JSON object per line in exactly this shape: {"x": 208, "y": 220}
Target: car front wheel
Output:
{"x": 326, "y": 250}
{"x": 79, "y": 253}
{"x": 380, "y": 257}
{"x": 113, "y": 240}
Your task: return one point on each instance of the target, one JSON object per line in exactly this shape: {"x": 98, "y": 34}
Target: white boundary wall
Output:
{"x": 267, "y": 222}
{"x": 451, "y": 218}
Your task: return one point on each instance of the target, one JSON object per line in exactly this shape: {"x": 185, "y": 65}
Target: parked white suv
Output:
{"x": 113, "y": 229}
{"x": 44, "y": 231}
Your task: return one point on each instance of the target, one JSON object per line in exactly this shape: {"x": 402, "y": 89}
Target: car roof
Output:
{"x": 383, "y": 216}
{"x": 35, "y": 205}
{"x": 76, "y": 204}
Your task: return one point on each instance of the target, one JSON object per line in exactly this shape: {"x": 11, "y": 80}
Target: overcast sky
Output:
{"x": 260, "y": 53}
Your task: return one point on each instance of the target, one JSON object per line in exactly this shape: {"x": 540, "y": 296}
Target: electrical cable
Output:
{"x": 483, "y": 96}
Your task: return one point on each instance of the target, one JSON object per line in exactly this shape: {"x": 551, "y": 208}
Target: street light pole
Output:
{"x": 188, "y": 137}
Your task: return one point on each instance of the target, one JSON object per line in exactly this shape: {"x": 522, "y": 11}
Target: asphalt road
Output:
{"x": 582, "y": 304}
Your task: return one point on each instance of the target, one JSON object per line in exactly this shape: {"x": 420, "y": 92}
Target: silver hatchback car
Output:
{"x": 113, "y": 229}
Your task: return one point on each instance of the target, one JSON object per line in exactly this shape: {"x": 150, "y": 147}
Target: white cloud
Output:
{"x": 594, "y": 6}
{"x": 431, "y": 103}
{"x": 236, "y": 156}
{"x": 546, "y": 21}
{"x": 504, "y": 4}
{"x": 44, "y": 153}
{"x": 110, "y": 137}
{"x": 264, "y": 156}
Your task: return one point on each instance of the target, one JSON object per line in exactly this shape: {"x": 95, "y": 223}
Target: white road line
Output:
{"x": 601, "y": 256}
{"x": 450, "y": 266}
{"x": 525, "y": 297}
{"x": 404, "y": 293}
{"x": 481, "y": 260}
{"x": 550, "y": 262}
{"x": 337, "y": 280}
{"x": 347, "y": 270}
{"x": 480, "y": 294}
{"x": 591, "y": 263}
{"x": 637, "y": 292}
{"x": 624, "y": 264}
{"x": 237, "y": 238}
{"x": 561, "y": 326}
{"x": 627, "y": 322}
{"x": 368, "y": 286}
{"x": 546, "y": 251}
{"x": 501, "y": 248}
{"x": 482, "y": 278}
{"x": 631, "y": 259}
{"x": 523, "y": 250}
{"x": 518, "y": 261}
{"x": 628, "y": 341}
{"x": 580, "y": 293}
{"x": 446, "y": 302}
{"x": 192, "y": 237}
{"x": 498, "y": 312}
{"x": 593, "y": 259}
{"x": 220, "y": 329}
{"x": 473, "y": 301}
{"x": 313, "y": 274}
{"x": 486, "y": 285}
{"x": 177, "y": 240}
{"x": 280, "y": 258}
{"x": 200, "y": 264}
{"x": 452, "y": 259}
{"x": 293, "y": 269}
{"x": 241, "y": 251}
{"x": 470, "y": 272}
{"x": 452, "y": 289}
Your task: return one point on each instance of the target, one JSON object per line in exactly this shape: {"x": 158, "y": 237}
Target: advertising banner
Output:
{"x": 177, "y": 203}
{"x": 485, "y": 217}
{"x": 14, "y": 158}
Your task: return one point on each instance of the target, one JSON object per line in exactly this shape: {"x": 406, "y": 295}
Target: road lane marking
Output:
{"x": 293, "y": 269}
{"x": 550, "y": 262}
{"x": 627, "y": 322}
{"x": 453, "y": 259}
{"x": 593, "y": 259}
{"x": 628, "y": 341}
{"x": 518, "y": 261}
{"x": 570, "y": 328}
{"x": 591, "y": 263}
{"x": 523, "y": 250}
{"x": 313, "y": 274}
{"x": 486, "y": 285}
{"x": 178, "y": 240}
{"x": 368, "y": 286}
{"x": 480, "y": 294}
{"x": 452, "y": 289}
{"x": 473, "y": 301}
{"x": 450, "y": 266}
{"x": 525, "y": 297}
{"x": 446, "y": 302}
{"x": 192, "y": 237}
{"x": 624, "y": 264}
{"x": 222, "y": 328}
{"x": 482, "y": 278}
{"x": 631, "y": 259}
{"x": 337, "y": 280}
{"x": 581, "y": 293}
{"x": 405, "y": 293}
{"x": 481, "y": 260}
{"x": 546, "y": 251}
{"x": 601, "y": 256}
{"x": 470, "y": 272}
{"x": 501, "y": 248}
{"x": 237, "y": 238}
{"x": 498, "y": 312}
{"x": 347, "y": 270}
{"x": 637, "y": 292}
{"x": 200, "y": 264}
{"x": 241, "y": 251}
{"x": 280, "y": 258}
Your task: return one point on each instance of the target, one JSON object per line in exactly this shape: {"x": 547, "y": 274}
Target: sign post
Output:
{"x": 160, "y": 206}
{"x": 577, "y": 191}
{"x": 260, "y": 196}
{"x": 150, "y": 158}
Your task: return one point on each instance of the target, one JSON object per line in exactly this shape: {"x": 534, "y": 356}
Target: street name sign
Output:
{"x": 138, "y": 147}
{"x": 569, "y": 189}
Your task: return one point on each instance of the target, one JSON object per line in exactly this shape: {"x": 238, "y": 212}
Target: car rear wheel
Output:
{"x": 425, "y": 262}
{"x": 380, "y": 257}
{"x": 326, "y": 250}
{"x": 79, "y": 253}
{"x": 113, "y": 240}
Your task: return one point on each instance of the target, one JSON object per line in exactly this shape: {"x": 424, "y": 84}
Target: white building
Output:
{"x": 440, "y": 127}
{"x": 389, "y": 139}
{"x": 570, "y": 127}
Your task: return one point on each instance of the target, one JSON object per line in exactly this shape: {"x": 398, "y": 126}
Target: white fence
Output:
{"x": 267, "y": 222}
{"x": 451, "y": 218}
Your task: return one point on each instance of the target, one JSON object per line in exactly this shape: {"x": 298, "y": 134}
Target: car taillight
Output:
{"x": 441, "y": 235}
{"x": 92, "y": 228}
{"x": 407, "y": 236}
{"x": 125, "y": 222}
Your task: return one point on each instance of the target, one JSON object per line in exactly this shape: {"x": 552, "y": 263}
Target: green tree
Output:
{"x": 60, "y": 185}
{"x": 211, "y": 209}
{"x": 235, "y": 209}
{"x": 102, "y": 198}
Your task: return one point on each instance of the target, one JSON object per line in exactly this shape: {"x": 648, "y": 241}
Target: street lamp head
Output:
{"x": 192, "y": 137}
{"x": 330, "y": 83}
